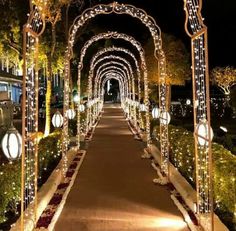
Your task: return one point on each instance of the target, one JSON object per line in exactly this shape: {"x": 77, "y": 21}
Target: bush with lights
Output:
{"x": 224, "y": 165}
{"x": 10, "y": 176}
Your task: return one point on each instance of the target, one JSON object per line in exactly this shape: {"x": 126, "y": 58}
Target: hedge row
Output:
{"x": 224, "y": 165}
{"x": 10, "y": 175}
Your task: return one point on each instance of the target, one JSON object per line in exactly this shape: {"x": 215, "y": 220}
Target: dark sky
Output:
{"x": 220, "y": 18}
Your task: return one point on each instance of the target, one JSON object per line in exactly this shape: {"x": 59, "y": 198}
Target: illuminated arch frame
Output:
{"x": 116, "y": 35}
{"x": 149, "y": 22}
{"x": 146, "y": 96}
{"x": 198, "y": 36}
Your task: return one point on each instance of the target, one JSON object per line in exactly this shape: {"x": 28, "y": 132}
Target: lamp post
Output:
{"x": 12, "y": 143}
{"x": 57, "y": 120}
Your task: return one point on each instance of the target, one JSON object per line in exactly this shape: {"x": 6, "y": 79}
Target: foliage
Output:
{"x": 10, "y": 180}
{"x": 177, "y": 61}
{"x": 10, "y": 186}
{"x": 224, "y": 165}
{"x": 224, "y": 77}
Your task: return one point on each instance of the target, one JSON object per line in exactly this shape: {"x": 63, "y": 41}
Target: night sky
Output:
{"x": 220, "y": 18}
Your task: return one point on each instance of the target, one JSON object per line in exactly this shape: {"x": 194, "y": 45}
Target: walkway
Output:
{"x": 113, "y": 190}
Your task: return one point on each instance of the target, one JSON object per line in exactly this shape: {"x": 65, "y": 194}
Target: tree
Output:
{"x": 12, "y": 19}
{"x": 177, "y": 63}
{"x": 224, "y": 77}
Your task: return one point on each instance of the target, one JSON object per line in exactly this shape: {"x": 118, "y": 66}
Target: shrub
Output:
{"x": 224, "y": 165}
{"x": 10, "y": 174}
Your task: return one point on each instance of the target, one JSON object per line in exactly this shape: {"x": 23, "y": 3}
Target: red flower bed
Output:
{"x": 56, "y": 199}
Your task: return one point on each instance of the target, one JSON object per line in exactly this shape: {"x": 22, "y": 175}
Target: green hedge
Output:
{"x": 224, "y": 164}
{"x": 10, "y": 174}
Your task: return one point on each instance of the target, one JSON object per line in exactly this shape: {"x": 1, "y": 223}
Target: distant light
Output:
{"x": 142, "y": 107}
{"x": 81, "y": 108}
{"x": 224, "y": 129}
{"x": 188, "y": 101}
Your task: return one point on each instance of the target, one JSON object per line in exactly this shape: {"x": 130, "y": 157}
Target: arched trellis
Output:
{"x": 146, "y": 96}
{"x": 155, "y": 31}
{"x": 201, "y": 92}
{"x": 116, "y": 35}
{"x": 122, "y": 77}
{"x": 119, "y": 78}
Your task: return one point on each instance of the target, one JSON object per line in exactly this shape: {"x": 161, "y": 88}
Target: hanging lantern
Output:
{"x": 203, "y": 133}
{"x": 57, "y": 120}
{"x": 155, "y": 113}
{"x": 165, "y": 118}
{"x": 71, "y": 114}
{"x": 11, "y": 144}
{"x": 81, "y": 108}
{"x": 142, "y": 107}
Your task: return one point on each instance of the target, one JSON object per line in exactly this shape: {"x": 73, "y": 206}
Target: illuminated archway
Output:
{"x": 195, "y": 28}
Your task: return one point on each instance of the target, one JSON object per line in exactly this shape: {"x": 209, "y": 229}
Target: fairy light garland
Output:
{"x": 196, "y": 29}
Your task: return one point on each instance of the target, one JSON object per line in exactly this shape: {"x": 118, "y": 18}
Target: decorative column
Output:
{"x": 197, "y": 31}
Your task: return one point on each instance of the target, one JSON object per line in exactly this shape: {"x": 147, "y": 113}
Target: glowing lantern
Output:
{"x": 71, "y": 114}
{"x": 203, "y": 133}
{"x": 81, "y": 108}
{"x": 165, "y": 118}
{"x": 155, "y": 113}
{"x": 11, "y": 144}
{"x": 57, "y": 120}
{"x": 142, "y": 107}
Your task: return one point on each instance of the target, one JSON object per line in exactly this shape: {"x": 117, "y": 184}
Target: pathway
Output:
{"x": 113, "y": 190}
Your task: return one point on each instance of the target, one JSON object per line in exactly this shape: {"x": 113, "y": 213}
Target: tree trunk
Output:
{"x": 48, "y": 98}
{"x": 49, "y": 83}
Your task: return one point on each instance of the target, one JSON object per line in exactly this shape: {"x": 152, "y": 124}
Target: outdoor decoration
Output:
{"x": 29, "y": 164}
{"x": 155, "y": 113}
{"x": 165, "y": 118}
{"x": 12, "y": 144}
{"x": 81, "y": 108}
{"x": 70, "y": 114}
{"x": 57, "y": 120}
{"x": 203, "y": 135}
{"x": 197, "y": 31}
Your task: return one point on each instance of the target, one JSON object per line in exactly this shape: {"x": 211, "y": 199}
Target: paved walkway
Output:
{"x": 113, "y": 190}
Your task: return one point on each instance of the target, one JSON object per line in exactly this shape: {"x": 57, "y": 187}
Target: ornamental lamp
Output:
{"x": 12, "y": 144}
{"x": 155, "y": 113}
{"x": 81, "y": 108}
{"x": 203, "y": 135}
{"x": 165, "y": 118}
{"x": 71, "y": 114}
{"x": 142, "y": 107}
{"x": 57, "y": 120}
